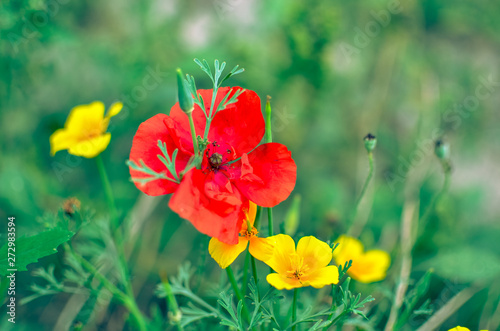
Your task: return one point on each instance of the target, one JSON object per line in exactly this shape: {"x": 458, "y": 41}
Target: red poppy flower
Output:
{"x": 235, "y": 169}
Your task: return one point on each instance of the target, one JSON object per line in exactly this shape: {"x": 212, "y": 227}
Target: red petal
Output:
{"x": 145, "y": 148}
{"x": 267, "y": 176}
{"x": 240, "y": 125}
{"x": 212, "y": 204}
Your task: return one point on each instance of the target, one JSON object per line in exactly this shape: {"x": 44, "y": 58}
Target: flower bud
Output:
{"x": 185, "y": 98}
{"x": 370, "y": 142}
{"x": 442, "y": 150}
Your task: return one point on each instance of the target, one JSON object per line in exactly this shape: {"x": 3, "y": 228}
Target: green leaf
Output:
{"x": 465, "y": 264}
{"x": 30, "y": 249}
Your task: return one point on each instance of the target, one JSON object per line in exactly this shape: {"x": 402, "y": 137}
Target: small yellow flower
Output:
{"x": 459, "y": 328}
{"x": 367, "y": 267}
{"x": 260, "y": 248}
{"x": 84, "y": 133}
{"x": 305, "y": 266}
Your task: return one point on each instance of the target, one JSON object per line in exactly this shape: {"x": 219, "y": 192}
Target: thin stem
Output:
{"x": 193, "y": 134}
{"x": 239, "y": 296}
{"x": 270, "y": 221}
{"x": 404, "y": 274}
{"x": 107, "y": 190}
{"x": 172, "y": 304}
{"x": 436, "y": 198}
{"x": 122, "y": 297}
{"x": 118, "y": 243}
{"x": 361, "y": 195}
{"x": 210, "y": 116}
{"x": 245, "y": 273}
{"x": 254, "y": 274}
{"x": 294, "y": 308}
{"x": 258, "y": 214}
{"x": 269, "y": 133}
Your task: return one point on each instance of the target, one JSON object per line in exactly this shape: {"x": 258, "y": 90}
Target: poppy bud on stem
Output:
{"x": 187, "y": 105}
{"x": 370, "y": 143}
{"x": 442, "y": 151}
{"x": 185, "y": 98}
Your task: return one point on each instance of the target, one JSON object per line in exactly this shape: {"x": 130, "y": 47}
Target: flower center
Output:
{"x": 215, "y": 160}
{"x": 216, "y": 156}
{"x": 248, "y": 233}
{"x": 298, "y": 268}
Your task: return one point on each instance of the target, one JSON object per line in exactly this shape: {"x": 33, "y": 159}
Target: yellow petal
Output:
{"x": 282, "y": 282}
{"x": 459, "y": 328}
{"x": 252, "y": 211}
{"x": 261, "y": 248}
{"x": 61, "y": 139}
{"x": 92, "y": 147}
{"x": 86, "y": 121}
{"x": 324, "y": 276}
{"x": 284, "y": 248}
{"x": 225, "y": 254}
{"x": 114, "y": 109}
{"x": 349, "y": 248}
{"x": 316, "y": 253}
{"x": 370, "y": 267}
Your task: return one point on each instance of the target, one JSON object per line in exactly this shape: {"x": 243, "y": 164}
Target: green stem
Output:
{"x": 119, "y": 295}
{"x": 270, "y": 221}
{"x": 172, "y": 304}
{"x": 254, "y": 274}
{"x": 269, "y": 133}
{"x": 363, "y": 192}
{"x": 245, "y": 273}
{"x": 436, "y": 198}
{"x": 294, "y": 308}
{"x": 258, "y": 214}
{"x": 193, "y": 134}
{"x": 234, "y": 285}
{"x": 210, "y": 116}
{"x": 118, "y": 241}
{"x": 107, "y": 191}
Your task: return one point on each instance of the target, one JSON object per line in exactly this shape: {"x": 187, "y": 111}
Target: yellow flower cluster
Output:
{"x": 308, "y": 263}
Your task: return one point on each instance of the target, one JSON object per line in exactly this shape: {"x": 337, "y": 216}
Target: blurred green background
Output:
{"x": 409, "y": 72}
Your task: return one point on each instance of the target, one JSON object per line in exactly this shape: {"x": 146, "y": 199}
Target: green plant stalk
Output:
{"x": 234, "y": 285}
{"x": 294, "y": 308}
{"x": 172, "y": 303}
{"x": 239, "y": 296}
{"x": 114, "y": 224}
{"x": 193, "y": 134}
{"x": 270, "y": 221}
{"x": 108, "y": 192}
{"x": 210, "y": 117}
{"x": 258, "y": 214}
{"x": 363, "y": 190}
{"x": 120, "y": 296}
{"x": 117, "y": 236}
{"x": 245, "y": 273}
{"x": 254, "y": 274}
{"x": 436, "y": 198}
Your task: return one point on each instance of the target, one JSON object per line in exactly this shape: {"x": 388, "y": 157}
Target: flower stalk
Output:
{"x": 239, "y": 296}
{"x": 294, "y": 308}
{"x": 370, "y": 143}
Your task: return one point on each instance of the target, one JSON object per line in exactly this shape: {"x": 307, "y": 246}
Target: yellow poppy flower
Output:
{"x": 260, "y": 248}
{"x": 84, "y": 133}
{"x": 305, "y": 266}
{"x": 367, "y": 267}
{"x": 459, "y": 328}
